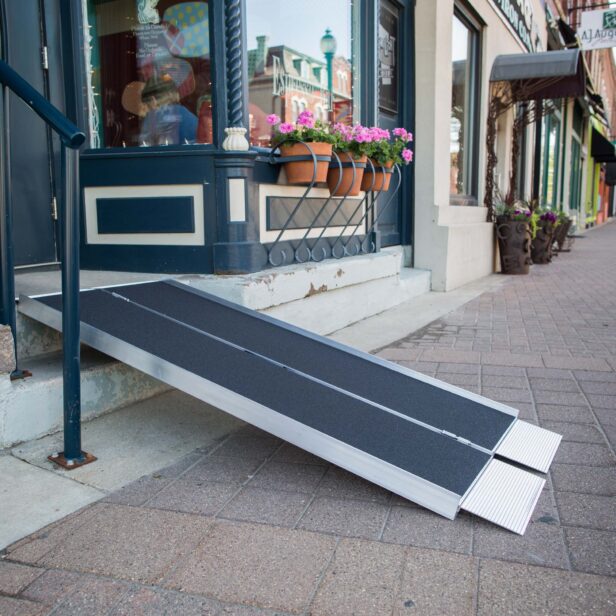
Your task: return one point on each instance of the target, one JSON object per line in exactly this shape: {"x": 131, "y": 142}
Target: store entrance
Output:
{"x": 33, "y": 44}
{"x": 395, "y": 96}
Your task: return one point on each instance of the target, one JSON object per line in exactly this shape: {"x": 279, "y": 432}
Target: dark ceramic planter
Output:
{"x": 560, "y": 235}
{"x": 541, "y": 247}
{"x": 514, "y": 245}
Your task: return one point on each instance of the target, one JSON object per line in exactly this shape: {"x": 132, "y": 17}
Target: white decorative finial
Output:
{"x": 235, "y": 141}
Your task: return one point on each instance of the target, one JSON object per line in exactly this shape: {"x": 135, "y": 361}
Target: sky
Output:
{"x": 300, "y": 24}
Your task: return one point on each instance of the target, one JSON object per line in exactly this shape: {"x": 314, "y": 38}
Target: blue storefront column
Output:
{"x": 237, "y": 248}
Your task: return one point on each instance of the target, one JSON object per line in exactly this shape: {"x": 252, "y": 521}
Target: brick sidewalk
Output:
{"x": 255, "y": 526}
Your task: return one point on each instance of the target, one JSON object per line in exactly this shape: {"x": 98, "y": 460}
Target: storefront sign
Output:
{"x": 519, "y": 16}
{"x": 598, "y": 29}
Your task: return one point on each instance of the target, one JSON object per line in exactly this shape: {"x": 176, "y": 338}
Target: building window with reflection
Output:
{"x": 550, "y": 136}
{"x": 465, "y": 46}
{"x": 308, "y": 53}
{"x": 150, "y": 72}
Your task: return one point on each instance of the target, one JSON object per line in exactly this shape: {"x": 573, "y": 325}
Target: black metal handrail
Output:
{"x": 71, "y": 138}
{"x": 70, "y": 134}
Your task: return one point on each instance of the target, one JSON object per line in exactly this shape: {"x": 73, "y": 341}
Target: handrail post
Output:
{"x": 72, "y": 456}
{"x": 7, "y": 275}
{"x": 70, "y": 310}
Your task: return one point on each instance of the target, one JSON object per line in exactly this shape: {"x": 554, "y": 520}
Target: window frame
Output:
{"x": 473, "y": 96}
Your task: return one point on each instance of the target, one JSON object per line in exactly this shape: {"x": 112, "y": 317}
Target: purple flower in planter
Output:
{"x": 286, "y": 127}
{"x": 273, "y": 119}
{"x": 407, "y": 155}
{"x": 548, "y": 216}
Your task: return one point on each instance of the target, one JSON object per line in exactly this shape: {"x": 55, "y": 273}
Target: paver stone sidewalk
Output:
{"x": 256, "y": 526}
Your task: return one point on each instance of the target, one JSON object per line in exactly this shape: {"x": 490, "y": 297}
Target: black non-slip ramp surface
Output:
{"x": 393, "y": 427}
{"x": 317, "y": 356}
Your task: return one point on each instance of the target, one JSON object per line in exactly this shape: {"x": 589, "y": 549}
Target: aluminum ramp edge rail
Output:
{"x": 480, "y": 498}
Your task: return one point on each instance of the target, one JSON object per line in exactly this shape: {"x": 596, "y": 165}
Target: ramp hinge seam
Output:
{"x": 460, "y": 439}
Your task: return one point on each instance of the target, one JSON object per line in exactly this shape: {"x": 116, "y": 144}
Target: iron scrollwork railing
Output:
{"x": 317, "y": 242}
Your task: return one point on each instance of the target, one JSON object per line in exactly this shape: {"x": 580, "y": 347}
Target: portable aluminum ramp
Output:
{"x": 423, "y": 439}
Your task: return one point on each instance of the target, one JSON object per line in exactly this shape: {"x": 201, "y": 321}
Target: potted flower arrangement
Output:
{"x": 350, "y": 145}
{"x": 516, "y": 225}
{"x": 385, "y": 150}
{"x": 317, "y": 134}
{"x": 541, "y": 247}
{"x": 562, "y": 230}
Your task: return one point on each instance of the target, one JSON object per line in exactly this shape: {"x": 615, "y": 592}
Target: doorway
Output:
{"x": 32, "y": 33}
{"x": 395, "y": 107}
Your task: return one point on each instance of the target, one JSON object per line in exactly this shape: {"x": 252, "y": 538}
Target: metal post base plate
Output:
{"x": 69, "y": 465}
{"x": 20, "y": 374}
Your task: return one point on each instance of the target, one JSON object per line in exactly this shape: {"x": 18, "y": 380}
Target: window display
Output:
{"x": 150, "y": 72}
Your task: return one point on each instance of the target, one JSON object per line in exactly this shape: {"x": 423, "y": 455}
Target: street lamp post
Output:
{"x": 328, "y": 48}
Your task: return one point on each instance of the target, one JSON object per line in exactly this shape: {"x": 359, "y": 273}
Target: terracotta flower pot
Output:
{"x": 302, "y": 171}
{"x": 541, "y": 246}
{"x": 348, "y": 186}
{"x": 514, "y": 241}
{"x": 381, "y": 179}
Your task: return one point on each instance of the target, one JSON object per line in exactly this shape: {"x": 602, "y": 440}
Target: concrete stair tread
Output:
{"x": 49, "y": 365}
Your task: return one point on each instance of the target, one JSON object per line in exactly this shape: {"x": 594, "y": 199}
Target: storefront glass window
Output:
{"x": 576, "y": 172}
{"x": 291, "y": 68}
{"x": 551, "y": 149}
{"x": 150, "y": 72}
{"x": 465, "y": 44}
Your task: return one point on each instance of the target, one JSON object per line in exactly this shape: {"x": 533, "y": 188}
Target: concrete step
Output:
{"x": 323, "y": 297}
{"x": 325, "y": 313}
{"x": 32, "y": 407}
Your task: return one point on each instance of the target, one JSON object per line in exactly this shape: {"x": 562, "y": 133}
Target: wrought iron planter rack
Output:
{"x": 316, "y": 244}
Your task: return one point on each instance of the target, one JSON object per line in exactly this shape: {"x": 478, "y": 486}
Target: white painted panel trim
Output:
{"x": 92, "y": 193}
{"x": 275, "y": 190}
{"x": 237, "y": 199}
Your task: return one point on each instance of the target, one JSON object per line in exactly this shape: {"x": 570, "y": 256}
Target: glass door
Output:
{"x": 394, "y": 110}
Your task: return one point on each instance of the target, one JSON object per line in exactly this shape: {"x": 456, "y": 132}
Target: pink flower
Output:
{"x": 407, "y": 155}
{"x": 409, "y": 136}
{"x": 379, "y": 134}
{"x": 306, "y": 119}
{"x": 400, "y": 132}
{"x": 285, "y": 128}
{"x": 273, "y": 119}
